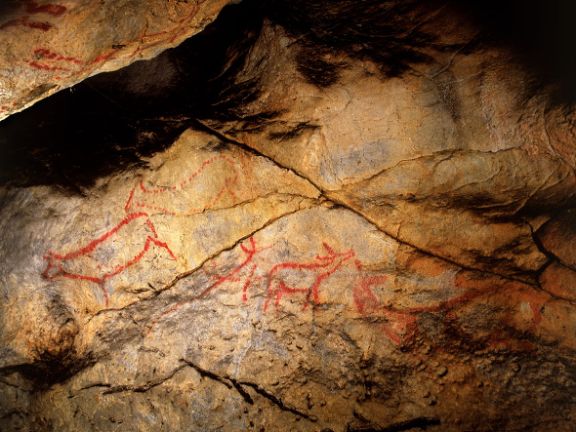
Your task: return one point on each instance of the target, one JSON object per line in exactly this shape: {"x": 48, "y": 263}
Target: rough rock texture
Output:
{"x": 345, "y": 247}
{"x": 49, "y": 45}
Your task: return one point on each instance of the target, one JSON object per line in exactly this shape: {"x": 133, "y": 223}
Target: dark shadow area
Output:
{"x": 111, "y": 121}
{"x": 8, "y": 8}
{"x": 388, "y": 33}
{"x": 540, "y": 33}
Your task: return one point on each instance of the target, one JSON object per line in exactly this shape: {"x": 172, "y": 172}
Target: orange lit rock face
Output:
{"x": 49, "y": 45}
{"x": 369, "y": 254}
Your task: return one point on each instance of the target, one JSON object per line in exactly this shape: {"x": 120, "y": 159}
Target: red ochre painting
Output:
{"x": 256, "y": 274}
{"x": 40, "y": 17}
{"x": 302, "y": 281}
{"x": 79, "y": 263}
{"x": 152, "y": 199}
{"x": 135, "y": 234}
{"x": 35, "y": 16}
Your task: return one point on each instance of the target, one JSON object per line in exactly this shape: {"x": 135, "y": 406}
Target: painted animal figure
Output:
{"x": 206, "y": 194}
{"x": 100, "y": 259}
{"x": 32, "y": 8}
{"x": 401, "y": 325}
{"x": 309, "y": 274}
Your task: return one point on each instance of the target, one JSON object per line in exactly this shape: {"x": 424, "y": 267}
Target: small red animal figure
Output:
{"x": 32, "y": 8}
{"x": 50, "y": 9}
{"x": 46, "y": 59}
{"x": 314, "y": 273}
{"x": 207, "y": 194}
{"x": 402, "y": 323}
{"x": 401, "y": 327}
{"x": 80, "y": 263}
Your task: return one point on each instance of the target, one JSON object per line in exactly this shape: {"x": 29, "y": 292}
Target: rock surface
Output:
{"x": 49, "y": 45}
{"x": 369, "y": 252}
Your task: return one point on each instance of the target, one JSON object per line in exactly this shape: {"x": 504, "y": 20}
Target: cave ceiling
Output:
{"x": 344, "y": 216}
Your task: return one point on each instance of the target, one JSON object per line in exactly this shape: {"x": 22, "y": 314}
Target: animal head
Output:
{"x": 332, "y": 255}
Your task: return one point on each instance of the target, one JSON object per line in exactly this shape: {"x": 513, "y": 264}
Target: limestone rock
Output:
{"x": 397, "y": 152}
{"x": 49, "y": 45}
{"x": 330, "y": 247}
{"x": 558, "y": 238}
{"x": 560, "y": 281}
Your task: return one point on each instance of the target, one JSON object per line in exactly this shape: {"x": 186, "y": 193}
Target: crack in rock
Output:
{"x": 239, "y": 387}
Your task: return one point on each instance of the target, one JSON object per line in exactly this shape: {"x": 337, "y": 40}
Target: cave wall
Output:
{"x": 325, "y": 218}
{"x": 51, "y": 45}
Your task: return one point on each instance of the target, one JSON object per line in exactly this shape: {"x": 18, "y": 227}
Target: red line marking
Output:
{"x": 284, "y": 289}
{"x": 43, "y": 53}
{"x": 161, "y": 210}
{"x": 130, "y": 198}
{"x": 32, "y": 8}
{"x": 42, "y": 66}
{"x": 102, "y": 57}
{"x": 39, "y": 25}
{"x": 247, "y": 285}
{"x": 406, "y": 318}
{"x": 53, "y": 270}
{"x": 138, "y": 195}
{"x": 536, "y": 312}
{"x": 180, "y": 29}
{"x": 51, "y": 9}
{"x": 11, "y": 23}
{"x": 364, "y": 298}
{"x": 250, "y": 253}
{"x": 94, "y": 243}
{"x": 54, "y": 267}
{"x": 177, "y": 31}
{"x": 332, "y": 262}
{"x": 402, "y": 326}
{"x": 152, "y": 227}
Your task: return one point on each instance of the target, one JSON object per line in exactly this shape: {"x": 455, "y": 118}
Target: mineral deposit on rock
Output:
{"x": 335, "y": 244}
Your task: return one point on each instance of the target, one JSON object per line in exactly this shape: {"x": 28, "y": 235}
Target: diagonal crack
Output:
{"x": 245, "y": 203}
{"x": 446, "y": 154}
{"x": 262, "y": 197}
{"x": 95, "y": 385}
{"x": 328, "y": 196}
{"x": 220, "y": 252}
{"x": 193, "y": 270}
{"x": 552, "y": 257}
{"x": 226, "y": 381}
{"x": 428, "y": 253}
{"x": 141, "y": 388}
{"x": 277, "y": 401}
{"x": 239, "y": 386}
{"x": 224, "y": 138}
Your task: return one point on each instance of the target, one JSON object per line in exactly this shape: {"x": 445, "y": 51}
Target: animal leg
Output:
{"x": 163, "y": 245}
